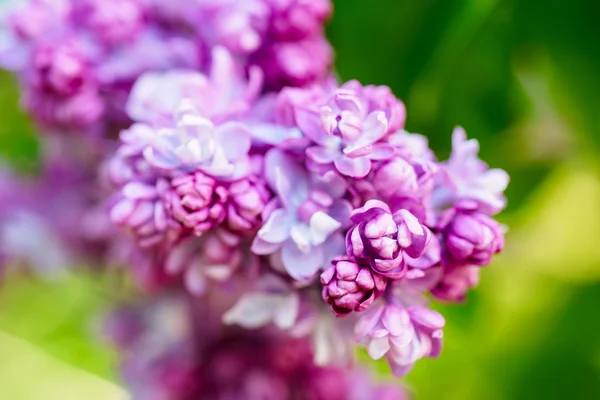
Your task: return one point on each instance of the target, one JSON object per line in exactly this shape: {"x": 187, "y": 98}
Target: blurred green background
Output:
{"x": 523, "y": 77}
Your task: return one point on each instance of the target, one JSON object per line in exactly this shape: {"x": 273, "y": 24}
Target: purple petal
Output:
{"x": 301, "y": 265}
{"x": 321, "y": 226}
{"x": 382, "y": 151}
{"x": 286, "y": 177}
{"x": 277, "y": 228}
{"x": 374, "y": 128}
{"x": 348, "y": 100}
{"x": 322, "y": 155}
{"x": 234, "y": 139}
{"x": 309, "y": 122}
{"x": 355, "y": 168}
{"x": 260, "y": 247}
{"x": 427, "y": 318}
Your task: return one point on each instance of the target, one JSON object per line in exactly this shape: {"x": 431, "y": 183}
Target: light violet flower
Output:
{"x": 401, "y": 334}
{"x": 468, "y": 179}
{"x": 349, "y": 286}
{"x": 385, "y": 240}
{"x": 220, "y": 95}
{"x": 195, "y": 143}
{"x": 29, "y": 239}
{"x": 303, "y": 219}
{"x": 347, "y": 134}
{"x": 128, "y": 163}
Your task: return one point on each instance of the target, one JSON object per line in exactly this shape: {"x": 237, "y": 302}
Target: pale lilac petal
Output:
{"x": 321, "y": 227}
{"x": 301, "y": 265}
{"x": 261, "y": 247}
{"x": 322, "y": 155}
{"x": 277, "y": 228}
{"x": 309, "y": 122}
{"x": 355, "y": 168}
{"x": 378, "y": 347}
{"x": 235, "y": 140}
{"x": 382, "y": 151}
{"x": 195, "y": 281}
{"x": 374, "y": 128}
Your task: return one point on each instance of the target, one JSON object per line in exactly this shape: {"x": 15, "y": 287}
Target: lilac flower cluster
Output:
{"x": 316, "y": 181}
{"x": 246, "y": 177}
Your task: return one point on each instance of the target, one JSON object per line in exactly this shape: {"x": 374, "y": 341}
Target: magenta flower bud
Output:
{"x": 349, "y": 286}
{"x": 197, "y": 202}
{"x": 413, "y": 236}
{"x": 374, "y": 238}
{"x": 247, "y": 200}
{"x": 139, "y": 208}
{"x": 473, "y": 238}
{"x": 386, "y": 241}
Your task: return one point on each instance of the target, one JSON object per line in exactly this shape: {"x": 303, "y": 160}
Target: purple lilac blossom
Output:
{"x": 465, "y": 178}
{"x": 222, "y": 94}
{"x": 348, "y": 134}
{"x": 305, "y": 218}
{"x": 384, "y": 240}
{"x": 401, "y": 334}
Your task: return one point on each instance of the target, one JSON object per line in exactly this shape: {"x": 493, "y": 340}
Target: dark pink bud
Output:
{"x": 349, "y": 286}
